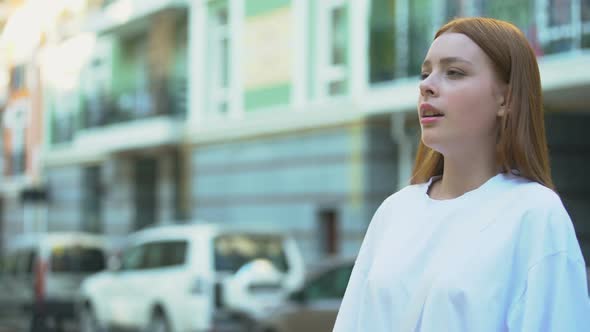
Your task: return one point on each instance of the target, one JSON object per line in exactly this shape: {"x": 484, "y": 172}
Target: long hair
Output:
{"x": 522, "y": 145}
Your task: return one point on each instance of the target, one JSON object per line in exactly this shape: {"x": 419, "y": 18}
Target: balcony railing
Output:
{"x": 165, "y": 97}
{"x": 401, "y": 32}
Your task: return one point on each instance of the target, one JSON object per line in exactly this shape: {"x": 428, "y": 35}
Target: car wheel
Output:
{"x": 88, "y": 321}
{"x": 159, "y": 323}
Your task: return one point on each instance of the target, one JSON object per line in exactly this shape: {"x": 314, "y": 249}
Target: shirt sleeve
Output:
{"x": 347, "y": 318}
{"x": 555, "y": 298}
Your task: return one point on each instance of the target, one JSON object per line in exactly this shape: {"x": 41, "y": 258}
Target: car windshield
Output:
{"x": 232, "y": 251}
{"x": 77, "y": 259}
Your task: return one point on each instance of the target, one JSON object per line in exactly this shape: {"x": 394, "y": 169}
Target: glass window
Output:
{"x": 337, "y": 88}
{"x": 145, "y": 191}
{"x": 339, "y": 35}
{"x": 560, "y": 12}
{"x": 330, "y": 285}
{"x": 336, "y": 60}
{"x": 560, "y": 27}
{"x": 420, "y": 35}
{"x": 91, "y": 199}
{"x": 165, "y": 254}
{"x": 585, "y": 42}
{"x": 518, "y": 12}
{"x": 382, "y": 52}
{"x": 219, "y": 57}
{"x": 174, "y": 253}
{"x": 77, "y": 259}
{"x": 17, "y": 77}
{"x": 585, "y": 10}
{"x": 133, "y": 258}
{"x": 232, "y": 251}
{"x": 10, "y": 264}
{"x": 453, "y": 9}
{"x": 30, "y": 258}
{"x": 22, "y": 262}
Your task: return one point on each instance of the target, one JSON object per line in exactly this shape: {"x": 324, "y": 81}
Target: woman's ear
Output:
{"x": 502, "y": 109}
{"x": 501, "y": 100}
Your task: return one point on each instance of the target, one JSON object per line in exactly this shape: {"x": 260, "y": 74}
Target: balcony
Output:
{"x": 558, "y": 31}
{"x": 167, "y": 98}
{"x": 120, "y": 13}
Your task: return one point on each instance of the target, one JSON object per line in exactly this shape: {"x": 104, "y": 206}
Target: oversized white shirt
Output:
{"x": 503, "y": 257}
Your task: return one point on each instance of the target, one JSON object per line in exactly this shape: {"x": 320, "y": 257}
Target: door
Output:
{"x": 146, "y": 177}
{"x": 329, "y": 230}
{"x": 124, "y": 292}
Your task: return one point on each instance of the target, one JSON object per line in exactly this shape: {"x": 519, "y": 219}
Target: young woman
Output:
{"x": 479, "y": 241}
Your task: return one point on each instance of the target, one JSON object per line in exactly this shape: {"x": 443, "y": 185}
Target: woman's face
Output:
{"x": 460, "y": 96}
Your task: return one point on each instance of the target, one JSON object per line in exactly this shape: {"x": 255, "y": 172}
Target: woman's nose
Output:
{"x": 428, "y": 87}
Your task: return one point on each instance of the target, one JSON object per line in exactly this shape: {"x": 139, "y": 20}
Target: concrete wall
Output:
{"x": 284, "y": 182}
{"x": 569, "y": 145}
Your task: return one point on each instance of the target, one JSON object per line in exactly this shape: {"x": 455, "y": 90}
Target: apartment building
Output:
{"x": 294, "y": 114}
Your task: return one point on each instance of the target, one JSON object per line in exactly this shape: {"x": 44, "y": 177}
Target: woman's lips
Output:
{"x": 429, "y": 114}
{"x": 430, "y": 119}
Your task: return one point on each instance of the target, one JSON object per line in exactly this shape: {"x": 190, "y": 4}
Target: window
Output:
{"x": 328, "y": 231}
{"x": 453, "y": 9}
{"x": 146, "y": 190}
{"x": 77, "y": 259}
{"x": 420, "y": 34}
{"x": 585, "y": 23}
{"x": 92, "y": 199}
{"x": 10, "y": 264}
{"x": 565, "y": 25}
{"x": 135, "y": 99}
{"x": 133, "y": 258}
{"x": 520, "y": 13}
{"x": 400, "y": 34}
{"x": 219, "y": 57}
{"x": 382, "y": 50}
{"x": 232, "y": 251}
{"x": 329, "y": 285}
{"x": 334, "y": 57}
{"x": 30, "y": 258}
{"x": 17, "y": 77}
{"x": 165, "y": 254}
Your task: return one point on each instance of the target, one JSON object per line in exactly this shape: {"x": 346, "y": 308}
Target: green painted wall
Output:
{"x": 257, "y": 7}
{"x": 266, "y": 97}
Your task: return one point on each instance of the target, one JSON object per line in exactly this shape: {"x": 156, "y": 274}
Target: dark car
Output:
{"x": 315, "y": 305}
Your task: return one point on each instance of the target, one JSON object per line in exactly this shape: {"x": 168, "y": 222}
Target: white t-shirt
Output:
{"x": 503, "y": 257}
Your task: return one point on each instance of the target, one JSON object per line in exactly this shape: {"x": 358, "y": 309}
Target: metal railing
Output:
{"x": 164, "y": 97}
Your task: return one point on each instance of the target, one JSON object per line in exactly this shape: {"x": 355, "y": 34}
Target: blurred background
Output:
{"x": 296, "y": 116}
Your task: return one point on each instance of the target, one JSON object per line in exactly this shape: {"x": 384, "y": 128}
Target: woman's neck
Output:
{"x": 461, "y": 175}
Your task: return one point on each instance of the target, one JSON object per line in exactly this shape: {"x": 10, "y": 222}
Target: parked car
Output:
{"x": 41, "y": 274}
{"x": 192, "y": 277}
{"x": 314, "y": 306}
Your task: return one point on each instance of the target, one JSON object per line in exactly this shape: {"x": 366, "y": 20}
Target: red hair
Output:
{"x": 522, "y": 144}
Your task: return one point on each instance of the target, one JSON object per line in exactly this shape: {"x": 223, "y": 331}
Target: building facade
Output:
{"x": 294, "y": 114}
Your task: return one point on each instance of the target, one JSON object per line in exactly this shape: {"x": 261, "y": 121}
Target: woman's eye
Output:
{"x": 423, "y": 76}
{"x": 455, "y": 73}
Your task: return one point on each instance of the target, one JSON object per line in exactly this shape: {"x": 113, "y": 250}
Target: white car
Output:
{"x": 192, "y": 277}
{"x": 42, "y": 272}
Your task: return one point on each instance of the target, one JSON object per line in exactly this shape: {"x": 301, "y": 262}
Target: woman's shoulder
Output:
{"x": 540, "y": 218}
{"x": 408, "y": 193}
{"x": 530, "y": 195}
{"x": 402, "y": 201}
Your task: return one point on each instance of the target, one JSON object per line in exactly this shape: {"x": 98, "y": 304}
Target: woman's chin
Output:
{"x": 431, "y": 141}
